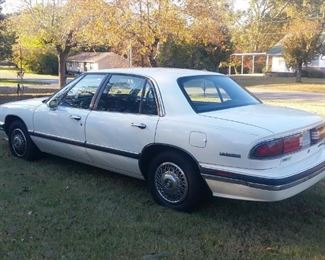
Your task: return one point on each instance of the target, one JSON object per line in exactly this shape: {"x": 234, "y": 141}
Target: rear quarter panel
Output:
{"x": 222, "y": 137}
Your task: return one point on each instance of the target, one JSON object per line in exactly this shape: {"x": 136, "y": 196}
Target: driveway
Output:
{"x": 290, "y": 95}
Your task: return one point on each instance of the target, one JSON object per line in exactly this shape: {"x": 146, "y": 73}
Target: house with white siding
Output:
{"x": 279, "y": 64}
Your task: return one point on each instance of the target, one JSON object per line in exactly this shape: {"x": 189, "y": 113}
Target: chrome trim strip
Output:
{"x": 112, "y": 151}
{"x": 55, "y": 138}
{"x": 264, "y": 183}
{"x": 86, "y": 145}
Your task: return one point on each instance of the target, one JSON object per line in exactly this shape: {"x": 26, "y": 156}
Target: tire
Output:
{"x": 175, "y": 182}
{"x": 20, "y": 143}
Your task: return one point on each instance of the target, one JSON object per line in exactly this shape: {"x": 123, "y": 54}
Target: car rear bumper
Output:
{"x": 245, "y": 187}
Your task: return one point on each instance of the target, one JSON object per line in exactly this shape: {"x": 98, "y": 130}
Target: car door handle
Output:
{"x": 77, "y": 118}
{"x": 140, "y": 125}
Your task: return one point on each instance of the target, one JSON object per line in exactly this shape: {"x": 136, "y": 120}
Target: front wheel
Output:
{"x": 21, "y": 145}
{"x": 175, "y": 182}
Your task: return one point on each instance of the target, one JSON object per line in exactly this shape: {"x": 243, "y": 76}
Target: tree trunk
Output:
{"x": 217, "y": 62}
{"x": 62, "y": 73}
{"x": 217, "y": 66}
{"x": 152, "y": 60}
{"x": 153, "y": 53}
{"x": 142, "y": 60}
{"x": 298, "y": 72}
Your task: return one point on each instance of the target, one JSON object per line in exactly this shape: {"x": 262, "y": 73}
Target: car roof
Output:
{"x": 158, "y": 73}
{"x": 166, "y": 77}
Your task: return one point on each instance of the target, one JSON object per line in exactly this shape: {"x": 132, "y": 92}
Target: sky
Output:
{"x": 13, "y": 5}
{"x": 241, "y": 4}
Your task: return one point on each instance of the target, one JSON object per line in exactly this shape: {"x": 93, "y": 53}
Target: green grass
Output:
{"x": 266, "y": 83}
{"x": 54, "y": 208}
{"x": 12, "y": 73}
{"x": 315, "y": 107}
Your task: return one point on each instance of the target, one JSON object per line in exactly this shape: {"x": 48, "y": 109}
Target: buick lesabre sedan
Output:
{"x": 183, "y": 131}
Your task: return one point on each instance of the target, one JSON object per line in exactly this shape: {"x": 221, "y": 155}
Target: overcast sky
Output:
{"x": 13, "y": 5}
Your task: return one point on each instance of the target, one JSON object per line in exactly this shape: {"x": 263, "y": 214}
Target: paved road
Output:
{"x": 292, "y": 95}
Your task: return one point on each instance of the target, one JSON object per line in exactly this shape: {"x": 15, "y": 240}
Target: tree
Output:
{"x": 54, "y": 25}
{"x": 261, "y": 25}
{"x": 265, "y": 22}
{"x": 7, "y": 37}
{"x": 209, "y": 28}
{"x": 147, "y": 24}
{"x": 309, "y": 9}
{"x": 302, "y": 44}
{"x": 32, "y": 55}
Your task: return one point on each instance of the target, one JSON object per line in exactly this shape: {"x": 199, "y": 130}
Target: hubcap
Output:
{"x": 18, "y": 142}
{"x": 171, "y": 182}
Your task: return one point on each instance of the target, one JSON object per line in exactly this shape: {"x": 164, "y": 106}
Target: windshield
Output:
{"x": 209, "y": 93}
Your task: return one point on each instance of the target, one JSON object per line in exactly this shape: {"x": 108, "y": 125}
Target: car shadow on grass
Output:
{"x": 59, "y": 192}
{"x": 295, "y": 222}
{"x": 302, "y": 206}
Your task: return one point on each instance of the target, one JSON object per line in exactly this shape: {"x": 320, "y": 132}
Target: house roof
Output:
{"x": 277, "y": 49}
{"x": 93, "y": 56}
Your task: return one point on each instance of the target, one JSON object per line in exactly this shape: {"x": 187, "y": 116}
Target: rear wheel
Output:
{"x": 20, "y": 143}
{"x": 175, "y": 182}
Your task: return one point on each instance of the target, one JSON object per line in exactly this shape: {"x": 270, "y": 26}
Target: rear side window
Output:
{"x": 209, "y": 93}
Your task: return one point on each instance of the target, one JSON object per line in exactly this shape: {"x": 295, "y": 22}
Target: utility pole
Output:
{"x": 130, "y": 56}
{"x": 21, "y": 59}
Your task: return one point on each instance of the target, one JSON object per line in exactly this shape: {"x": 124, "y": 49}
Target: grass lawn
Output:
{"x": 54, "y": 208}
{"x": 315, "y": 107}
{"x": 12, "y": 73}
{"x": 266, "y": 83}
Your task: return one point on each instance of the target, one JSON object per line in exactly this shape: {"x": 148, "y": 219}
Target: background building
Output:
{"x": 86, "y": 61}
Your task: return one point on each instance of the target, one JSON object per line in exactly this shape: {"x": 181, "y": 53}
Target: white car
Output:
{"x": 183, "y": 131}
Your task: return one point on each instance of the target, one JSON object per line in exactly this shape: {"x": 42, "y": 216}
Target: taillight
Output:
{"x": 292, "y": 144}
{"x": 277, "y": 147}
{"x": 268, "y": 149}
{"x": 317, "y": 134}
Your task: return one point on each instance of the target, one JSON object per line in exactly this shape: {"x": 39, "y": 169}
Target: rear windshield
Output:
{"x": 210, "y": 93}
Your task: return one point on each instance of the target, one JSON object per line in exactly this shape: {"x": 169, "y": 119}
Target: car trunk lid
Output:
{"x": 271, "y": 118}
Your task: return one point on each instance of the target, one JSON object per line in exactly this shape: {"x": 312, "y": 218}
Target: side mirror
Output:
{"x": 53, "y": 104}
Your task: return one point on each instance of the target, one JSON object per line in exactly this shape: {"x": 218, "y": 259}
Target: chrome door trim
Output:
{"x": 87, "y": 145}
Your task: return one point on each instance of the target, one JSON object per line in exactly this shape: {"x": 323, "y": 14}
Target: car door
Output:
{"x": 60, "y": 129}
{"x": 123, "y": 122}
